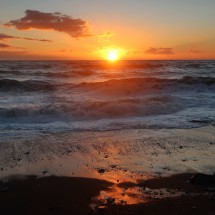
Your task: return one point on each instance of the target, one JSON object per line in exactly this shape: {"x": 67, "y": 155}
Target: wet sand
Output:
{"x": 123, "y": 154}
{"x": 136, "y": 171}
{"x": 67, "y": 195}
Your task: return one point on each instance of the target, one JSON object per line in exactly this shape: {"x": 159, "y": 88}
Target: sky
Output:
{"x": 90, "y": 29}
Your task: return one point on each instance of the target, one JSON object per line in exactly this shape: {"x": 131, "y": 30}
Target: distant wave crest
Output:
{"x": 128, "y": 84}
{"x": 133, "y": 86}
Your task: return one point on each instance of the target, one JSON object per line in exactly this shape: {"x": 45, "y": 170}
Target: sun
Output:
{"x": 113, "y": 55}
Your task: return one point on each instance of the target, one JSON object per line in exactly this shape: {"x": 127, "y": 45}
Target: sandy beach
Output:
{"x": 132, "y": 171}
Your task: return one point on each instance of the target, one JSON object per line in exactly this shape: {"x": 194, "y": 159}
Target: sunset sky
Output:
{"x": 88, "y": 29}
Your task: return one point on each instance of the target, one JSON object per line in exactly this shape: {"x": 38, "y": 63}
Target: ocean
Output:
{"x": 99, "y": 95}
{"x": 76, "y": 117}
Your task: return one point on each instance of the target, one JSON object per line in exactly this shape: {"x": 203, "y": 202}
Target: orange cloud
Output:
{"x": 53, "y": 21}
{"x": 6, "y": 36}
{"x": 159, "y": 51}
{"x": 2, "y": 45}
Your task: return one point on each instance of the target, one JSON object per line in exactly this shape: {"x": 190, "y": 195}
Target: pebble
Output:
{"x": 101, "y": 171}
{"x": 113, "y": 166}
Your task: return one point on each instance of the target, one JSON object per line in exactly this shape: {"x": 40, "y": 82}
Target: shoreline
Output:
{"x": 124, "y": 154}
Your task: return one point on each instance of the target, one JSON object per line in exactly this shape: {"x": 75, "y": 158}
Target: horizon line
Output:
{"x": 107, "y": 60}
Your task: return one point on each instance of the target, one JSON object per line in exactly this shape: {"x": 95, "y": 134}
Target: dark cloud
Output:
{"x": 6, "y": 36}
{"x": 159, "y": 51}
{"x": 53, "y": 21}
{"x": 2, "y": 45}
{"x": 32, "y": 39}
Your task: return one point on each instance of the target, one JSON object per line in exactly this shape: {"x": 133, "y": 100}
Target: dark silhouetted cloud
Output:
{"x": 53, "y": 21}
{"x": 6, "y": 36}
{"x": 2, "y": 45}
{"x": 159, "y": 51}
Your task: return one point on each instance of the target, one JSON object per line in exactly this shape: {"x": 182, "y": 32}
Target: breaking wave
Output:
{"x": 96, "y": 109}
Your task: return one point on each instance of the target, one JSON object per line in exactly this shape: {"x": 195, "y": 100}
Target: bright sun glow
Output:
{"x": 112, "y": 55}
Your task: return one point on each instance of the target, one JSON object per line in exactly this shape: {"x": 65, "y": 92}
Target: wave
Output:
{"x": 126, "y": 85}
{"x": 51, "y": 74}
{"x": 198, "y": 65}
{"x": 130, "y": 86}
{"x": 30, "y": 65}
{"x": 198, "y": 80}
{"x": 151, "y": 80}
{"x": 29, "y": 85}
{"x": 69, "y": 74}
{"x": 96, "y": 109}
{"x": 10, "y": 72}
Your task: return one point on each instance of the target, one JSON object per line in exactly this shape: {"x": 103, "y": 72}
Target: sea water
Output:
{"x": 61, "y": 96}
